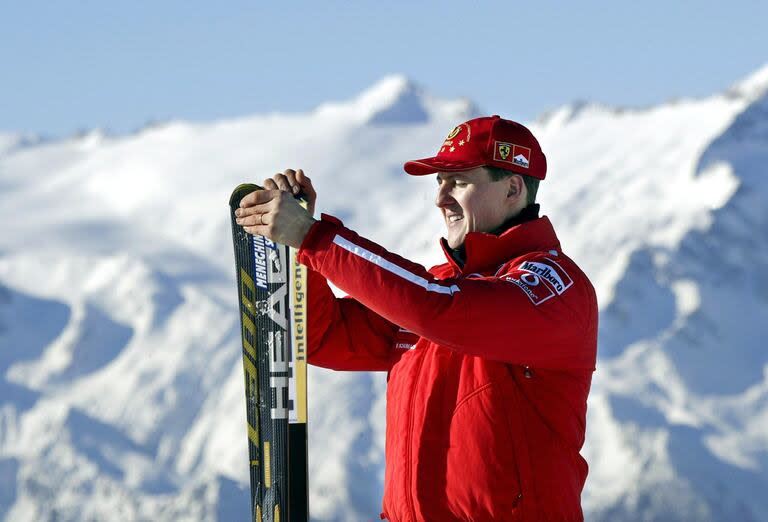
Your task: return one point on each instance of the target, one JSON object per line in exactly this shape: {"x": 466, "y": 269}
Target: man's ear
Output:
{"x": 515, "y": 186}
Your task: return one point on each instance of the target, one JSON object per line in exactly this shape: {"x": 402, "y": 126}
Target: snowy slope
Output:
{"x": 120, "y": 380}
{"x": 681, "y": 395}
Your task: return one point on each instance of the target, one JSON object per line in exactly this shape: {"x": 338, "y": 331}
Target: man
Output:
{"x": 490, "y": 355}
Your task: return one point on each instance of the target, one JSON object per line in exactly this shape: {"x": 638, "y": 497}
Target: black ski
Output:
{"x": 272, "y": 300}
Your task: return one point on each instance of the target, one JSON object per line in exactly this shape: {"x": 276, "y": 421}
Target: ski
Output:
{"x": 272, "y": 304}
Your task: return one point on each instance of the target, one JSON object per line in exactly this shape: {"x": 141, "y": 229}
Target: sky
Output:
{"x": 67, "y": 67}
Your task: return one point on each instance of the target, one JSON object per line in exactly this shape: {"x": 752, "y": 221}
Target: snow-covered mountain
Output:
{"x": 120, "y": 379}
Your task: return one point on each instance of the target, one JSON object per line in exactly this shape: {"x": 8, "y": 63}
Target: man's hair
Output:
{"x": 531, "y": 183}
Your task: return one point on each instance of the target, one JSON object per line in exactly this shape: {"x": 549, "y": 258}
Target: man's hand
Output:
{"x": 276, "y": 214}
{"x": 295, "y": 182}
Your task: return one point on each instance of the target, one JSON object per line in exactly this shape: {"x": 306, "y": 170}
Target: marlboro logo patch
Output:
{"x": 512, "y": 153}
{"x": 540, "y": 280}
{"x": 551, "y": 272}
{"x": 521, "y": 156}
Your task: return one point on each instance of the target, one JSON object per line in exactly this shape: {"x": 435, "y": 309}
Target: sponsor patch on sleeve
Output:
{"x": 540, "y": 280}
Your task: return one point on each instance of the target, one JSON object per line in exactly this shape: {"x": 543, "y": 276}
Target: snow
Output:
{"x": 120, "y": 377}
{"x": 753, "y": 86}
{"x": 8, "y": 141}
{"x": 396, "y": 100}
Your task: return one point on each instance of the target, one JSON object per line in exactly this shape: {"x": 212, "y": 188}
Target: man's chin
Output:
{"x": 455, "y": 242}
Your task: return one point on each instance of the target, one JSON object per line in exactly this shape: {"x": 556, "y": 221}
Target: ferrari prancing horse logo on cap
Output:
{"x": 521, "y": 156}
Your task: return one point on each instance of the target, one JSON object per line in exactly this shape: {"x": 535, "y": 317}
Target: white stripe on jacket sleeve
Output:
{"x": 393, "y": 268}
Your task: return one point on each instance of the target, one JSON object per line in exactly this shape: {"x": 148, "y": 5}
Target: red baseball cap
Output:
{"x": 487, "y": 141}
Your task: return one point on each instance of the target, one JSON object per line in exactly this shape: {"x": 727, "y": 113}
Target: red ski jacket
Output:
{"x": 489, "y": 368}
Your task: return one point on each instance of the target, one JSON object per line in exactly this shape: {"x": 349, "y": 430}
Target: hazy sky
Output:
{"x": 73, "y": 65}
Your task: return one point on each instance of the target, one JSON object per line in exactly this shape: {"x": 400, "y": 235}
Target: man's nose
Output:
{"x": 444, "y": 197}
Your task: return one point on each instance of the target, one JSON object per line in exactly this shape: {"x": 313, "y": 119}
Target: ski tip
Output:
{"x": 241, "y": 191}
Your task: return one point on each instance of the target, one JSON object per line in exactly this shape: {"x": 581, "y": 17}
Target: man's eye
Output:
{"x": 459, "y": 183}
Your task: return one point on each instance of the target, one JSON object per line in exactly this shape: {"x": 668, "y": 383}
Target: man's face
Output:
{"x": 471, "y": 201}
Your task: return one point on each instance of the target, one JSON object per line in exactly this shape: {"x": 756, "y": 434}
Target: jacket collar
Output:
{"x": 485, "y": 251}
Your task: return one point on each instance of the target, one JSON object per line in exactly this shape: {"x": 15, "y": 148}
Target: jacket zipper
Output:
{"x": 409, "y": 434}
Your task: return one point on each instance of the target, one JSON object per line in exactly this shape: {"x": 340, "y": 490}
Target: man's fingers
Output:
{"x": 282, "y": 182}
{"x": 306, "y": 184}
{"x": 290, "y": 176}
{"x": 253, "y": 219}
{"x": 257, "y": 224}
{"x": 257, "y": 230}
{"x": 285, "y": 181}
{"x": 309, "y": 191}
{"x": 258, "y": 197}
